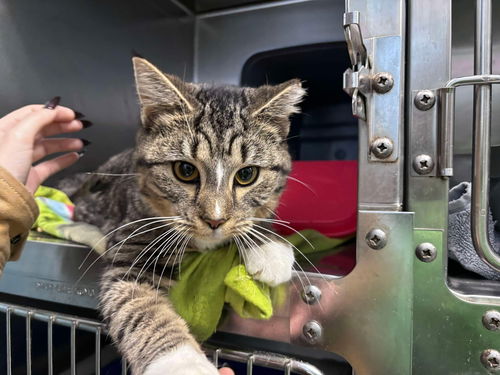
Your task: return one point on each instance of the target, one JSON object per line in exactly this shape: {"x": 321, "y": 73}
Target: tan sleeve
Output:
{"x": 18, "y": 212}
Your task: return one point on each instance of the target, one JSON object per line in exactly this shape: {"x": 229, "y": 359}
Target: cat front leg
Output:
{"x": 148, "y": 332}
{"x": 270, "y": 263}
{"x": 183, "y": 360}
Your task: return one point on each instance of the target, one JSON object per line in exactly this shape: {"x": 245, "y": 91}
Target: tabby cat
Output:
{"x": 209, "y": 165}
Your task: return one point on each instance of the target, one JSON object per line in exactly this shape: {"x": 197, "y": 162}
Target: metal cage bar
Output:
{"x": 75, "y": 323}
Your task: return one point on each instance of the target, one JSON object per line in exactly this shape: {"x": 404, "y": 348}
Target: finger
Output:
{"x": 44, "y": 170}
{"x": 16, "y": 116}
{"x": 50, "y": 146}
{"x": 226, "y": 371}
{"x": 57, "y": 128}
{"x": 33, "y": 123}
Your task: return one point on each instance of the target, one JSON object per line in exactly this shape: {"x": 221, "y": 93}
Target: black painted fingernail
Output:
{"x": 87, "y": 123}
{"x": 81, "y": 153}
{"x": 78, "y": 115}
{"x": 85, "y": 142}
{"x": 52, "y": 103}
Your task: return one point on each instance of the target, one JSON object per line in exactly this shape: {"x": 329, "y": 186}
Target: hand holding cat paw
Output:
{"x": 271, "y": 263}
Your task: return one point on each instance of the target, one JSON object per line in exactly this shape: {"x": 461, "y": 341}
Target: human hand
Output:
{"x": 23, "y": 140}
{"x": 226, "y": 371}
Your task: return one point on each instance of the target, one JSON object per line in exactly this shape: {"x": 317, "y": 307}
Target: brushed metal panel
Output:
{"x": 49, "y": 272}
{"x": 226, "y": 42}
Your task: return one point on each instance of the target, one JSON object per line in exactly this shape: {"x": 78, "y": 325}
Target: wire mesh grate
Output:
{"x": 101, "y": 356}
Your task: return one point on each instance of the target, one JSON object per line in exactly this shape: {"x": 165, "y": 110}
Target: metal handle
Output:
{"x": 481, "y": 140}
{"x": 481, "y": 157}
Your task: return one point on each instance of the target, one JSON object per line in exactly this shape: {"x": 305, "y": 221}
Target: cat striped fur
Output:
{"x": 224, "y": 134}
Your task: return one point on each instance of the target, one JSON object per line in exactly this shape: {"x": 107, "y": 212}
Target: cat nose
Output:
{"x": 214, "y": 223}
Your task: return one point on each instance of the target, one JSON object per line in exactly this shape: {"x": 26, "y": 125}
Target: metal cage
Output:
{"x": 252, "y": 360}
{"x": 399, "y": 311}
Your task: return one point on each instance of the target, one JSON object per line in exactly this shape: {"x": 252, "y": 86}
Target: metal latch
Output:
{"x": 357, "y": 82}
{"x": 375, "y": 91}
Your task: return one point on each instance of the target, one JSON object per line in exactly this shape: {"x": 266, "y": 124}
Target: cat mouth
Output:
{"x": 210, "y": 242}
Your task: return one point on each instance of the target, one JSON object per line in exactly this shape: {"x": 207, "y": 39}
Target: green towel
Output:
{"x": 206, "y": 280}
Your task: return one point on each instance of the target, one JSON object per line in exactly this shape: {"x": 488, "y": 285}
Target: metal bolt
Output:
{"x": 382, "y": 147}
{"x": 312, "y": 331}
{"x": 426, "y": 252}
{"x": 490, "y": 358}
{"x": 423, "y": 164}
{"x": 376, "y": 239}
{"x": 383, "y": 82}
{"x": 491, "y": 320}
{"x": 424, "y": 100}
{"x": 311, "y": 294}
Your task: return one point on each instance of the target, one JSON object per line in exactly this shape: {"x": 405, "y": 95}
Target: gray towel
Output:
{"x": 460, "y": 245}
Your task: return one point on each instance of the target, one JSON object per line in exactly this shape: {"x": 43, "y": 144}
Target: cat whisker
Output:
{"x": 164, "y": 244}
{"x": 163, "y": 271}
{"x": 183, "y": 251}
{"x": 177, "y": 250}
{"x": 302, "y": 183}
{"x": 165, "y": 249}
{"x": 266, "y": 239}
{"x": 295, "y": 247}
{"x": 146, "y": 249}
{"x": 112, "y": 174}
{"x": 179, "y": 230}
{"x": 112, "y": 247}
{"x": 272, "y": 212}
{"x": 133, "y": 234}
{"x": 123, "y": 226}
{"x": 268, "y": 220}
{"x": 284, "y": 224}
{"x": 240, "y": 247}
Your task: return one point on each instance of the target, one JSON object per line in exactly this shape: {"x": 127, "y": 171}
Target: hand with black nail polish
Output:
{"x": 25, "y": 140}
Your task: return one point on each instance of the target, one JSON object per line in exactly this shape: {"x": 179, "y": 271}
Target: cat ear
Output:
{"x": 276, "y": 104}
{"x": 157, "y": 89}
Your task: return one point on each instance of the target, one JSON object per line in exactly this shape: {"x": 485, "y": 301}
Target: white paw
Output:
{"x": 185, "y": 360}
{"x": 271, "y": 263}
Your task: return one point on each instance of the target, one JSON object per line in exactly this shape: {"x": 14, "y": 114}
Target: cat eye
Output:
{"x": 185, "y": 172}
{"x": 246, "y": 176}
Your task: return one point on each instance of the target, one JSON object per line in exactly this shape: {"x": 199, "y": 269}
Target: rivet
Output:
{"x": 382, "y": 147}
{"x": 312, "y": 331}
{"x": 382, "y": 82}
{"x": 426, "y": 252}
{"x": 423, "y": 164}
{"x": 424, "y": 100}
{"x": 490, "y": 358}
{"x": 311, "y": 294}
{"x": 376, "y": 238}
{"x": 491, "y": 320}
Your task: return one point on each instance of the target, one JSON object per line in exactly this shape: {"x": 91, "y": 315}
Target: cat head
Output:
{"x": 216, "y": 156}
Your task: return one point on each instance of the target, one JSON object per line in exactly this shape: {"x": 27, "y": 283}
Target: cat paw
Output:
{"x": 184, "y": 360}
{"x": 272, "y": 263}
